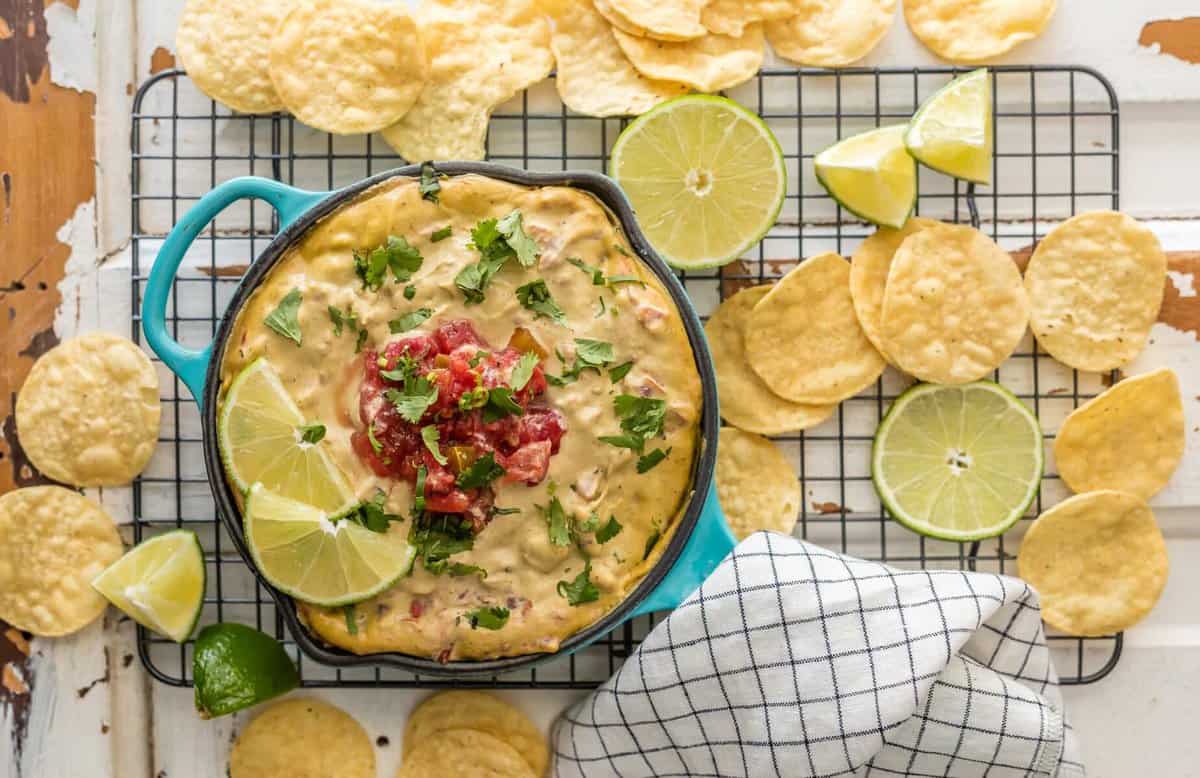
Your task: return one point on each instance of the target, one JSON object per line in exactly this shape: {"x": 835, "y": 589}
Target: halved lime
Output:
{"x": 159, "y": 583}
{"x": 871, "y": 175}
{"x": 706, "y": 178}
{"x": 952, "y": 133}
{"x": 326, "y": 562}
{"x": 235, "y": 666}
{"x": 260, "y": 438}
{"x": 958, "y": 463}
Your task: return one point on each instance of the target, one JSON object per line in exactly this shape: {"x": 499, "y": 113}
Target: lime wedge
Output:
{"x": 260, "y": 439}
{"x": 952, "y": 133}
{"x": 302, "y": 552}
{"x": 159, "y": 583}
{"x": 706, "y": 178}
{"x": 234, "y": 667}
{"x": 958, "y": 463}
{"x": 871, "y": 175}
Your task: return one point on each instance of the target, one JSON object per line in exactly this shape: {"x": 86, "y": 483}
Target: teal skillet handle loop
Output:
{"x": 191, "y": 365}
{"x": 710, "y": 542}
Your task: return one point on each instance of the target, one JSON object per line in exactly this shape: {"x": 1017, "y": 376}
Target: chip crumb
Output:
{"x": 12, "y": 680}
{"x": 17, "y": 640}
{"x": 826, "y": 508}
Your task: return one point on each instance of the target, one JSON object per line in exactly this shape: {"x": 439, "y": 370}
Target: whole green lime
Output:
{"x": 235, "y": 666}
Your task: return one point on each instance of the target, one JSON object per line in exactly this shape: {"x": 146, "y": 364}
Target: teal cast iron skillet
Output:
{"x": 702, "y": 537}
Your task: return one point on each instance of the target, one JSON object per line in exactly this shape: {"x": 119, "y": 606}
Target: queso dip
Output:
{"x": 497, "y": 372}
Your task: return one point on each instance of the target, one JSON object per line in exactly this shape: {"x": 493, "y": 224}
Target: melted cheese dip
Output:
{"x": 425, "y": 614}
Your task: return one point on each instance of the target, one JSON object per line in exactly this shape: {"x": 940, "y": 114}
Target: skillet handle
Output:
{"x": 189, "y": 364}
{"x": 711, "y": 541}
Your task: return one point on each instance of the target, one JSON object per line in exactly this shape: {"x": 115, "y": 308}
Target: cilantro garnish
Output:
{"x": 625, "y": 279}
{"x": 565, "y": 530}
{"x": 647, "y": 462}
{"x": 513, "y": 230}
{"x": 589, "y": 354}
{"x": 596, "y": 273}
{"x": 311, "y": 433}
{"x": 285, "y": 318}
{"x": 415, "y": 397}
{"x": 618, "y": 372}
{"x": 376, "y": 446}
{"x": 349, "y": 320}
{"x": 370, "y": 514}
{"x": 431, "y": 436}
{"x": 481, "y": 473}
{"x": 440, "y": 235}
{"x": 652, "y": 539}
{"x": 609, "y": 530}
{"x": 558, "y": 523}
{"x": 641, "y": 419}
{"x": 430, "y": 185}
{"x": 475, "y": 398}
{"x": 460, "y": 569}
{"x": 505, "y": 511}
{"x": 536, "y": 297}
{"x": 409, "y": 320}
{"x": 490, "y": 617}
{"x": 351, "y": 620}
{"x": 410, "y": 292}
{"x": 397, "y": 254}
{"x": 419, "y": 491}
{"x": 523, "y": 370}
{"x": 437, "y": 540}
{"x": 600, "y": 312}
{"x": 500, "y": 404}
{"x": 497, "y": 241}
{"x": 580, "y": 589}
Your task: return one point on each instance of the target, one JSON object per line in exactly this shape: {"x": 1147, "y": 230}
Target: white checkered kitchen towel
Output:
{"x": 793, "y": 660}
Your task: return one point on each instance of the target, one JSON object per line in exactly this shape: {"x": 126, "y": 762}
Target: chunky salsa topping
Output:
{"x": 447, "y": 410}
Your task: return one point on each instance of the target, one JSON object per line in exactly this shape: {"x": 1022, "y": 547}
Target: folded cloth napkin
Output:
{"x": 793, "y": 660}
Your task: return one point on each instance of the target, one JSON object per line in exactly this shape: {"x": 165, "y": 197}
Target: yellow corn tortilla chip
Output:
{"x": 709, "y": 63}
{"x": 612, "y": 17}
{"x": 480, "y": 712}
{"x": 1098, "y": 561}
{"x": 480, "y": 55}
{"x": 730, "y": 17}
{"x": 1096, "y": 285}
{"x": 593, "y": 76}
{"x": 303, "y": 738}
{"x": 804, "y": 340}
{"x": 224, "y": 46}
{"x": 53, "y": 542}
{"x": 976, "y": 30}
{"x": 88, "y": 413}
{"x": 668, "y": 20}
{"x": 869, "y": 268}
{"x": 756, "y": 485}
{"x": 954, "y": 308}
{"x": 464, "y": 753}
{"x": 1131, "y": 438}
{"x": 348, "y": 66}
{"x": 831, "y": 33}
{"x": 747, "y": 402}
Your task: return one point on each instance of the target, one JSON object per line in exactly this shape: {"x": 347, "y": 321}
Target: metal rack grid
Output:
{"x": 1057, "y": 152}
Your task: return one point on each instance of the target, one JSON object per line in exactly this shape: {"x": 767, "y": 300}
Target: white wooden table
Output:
{"x": 84, "y": 707}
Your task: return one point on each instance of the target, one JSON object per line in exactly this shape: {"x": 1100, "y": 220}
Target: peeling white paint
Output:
{"x": 79, "y": 274}
{"x": 1184, "y": 283}
{"x": 71, "y": 49}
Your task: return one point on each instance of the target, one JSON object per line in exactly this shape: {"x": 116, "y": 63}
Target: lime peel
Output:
{"x": 159, "y": 583}
{"x": 952, "y": 131}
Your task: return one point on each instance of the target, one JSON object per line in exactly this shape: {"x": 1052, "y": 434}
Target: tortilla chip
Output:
{"x": 348, "y": 66}
{"x": 463, "y": 753}
{"x": 1131, "y": 438}
{"x": 1098, "y": 561}
{"x": 668, "y": 20}
{"x": 831, "y": 33}
{"x": 1096, "y": 285}
{"x": 756, "y": 485}
{"x": 954, "y": 308}
{"x": 481, "y": 712}
{"x": 480, "y": 55}
{"x": 709, "y": 63}
{"x": 730, "y": 17}
{"x": 88, "y": 413}
{"x": 976, "y": 30}
{"x": 804, "y": 340}
{"x": 869, "y": 271}
{"x": 53, "y": 542}
{"x": 746, "y": 401}
{"x": 303, "y": 738}
{"x": 224, "y": 46}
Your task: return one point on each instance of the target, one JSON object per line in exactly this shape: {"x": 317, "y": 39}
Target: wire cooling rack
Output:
{"x": 1057, "y": 138}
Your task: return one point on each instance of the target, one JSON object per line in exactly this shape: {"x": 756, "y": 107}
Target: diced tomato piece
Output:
{"x": 455, "y": 333}
{"x": 454, "y": 501}
{"x": 543, "y": 424}
{"x": 529, "y": 463}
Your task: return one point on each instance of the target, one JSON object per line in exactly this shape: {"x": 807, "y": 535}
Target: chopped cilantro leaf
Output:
{"x": 593, "y": 353}
{"x": 440, "y": 235}
{"x": 500, "y": 404}
{"x": 600, "y": 312}
{"x": 338, "y": 319}
{"x": 652, "y": 539}
{"x": 626, "y": 279}
{"x": 481, "y": 473}
{"x": 513, "y": 230}
{"x": 621, "y": 249}
{"x": 409, "y": 320}
{"x": 490, "y": 617}
{"x": 523, "y": 370}
{"x": 505, "y": 511}
{"x": 536, "y": 297}
{"x": 647, "y": 462}
{"x": 376, "y": 446}
{"x": 431, "y": 436}
{"x": 558, "y": 524}
{"x": 360, "y": 341}
{"x": 437, "y": 540}
{"x": 596, "y": 273}
{"x": 419, "y": 490}
{"x": 397, "y": 254}
{"x": 430, "y": 185}
{"x": 370, "y": 514}
{"x": 618, "y": 372}
{"x": 460, "y": 569}
{"x": 581, "y": 589}
{"x": 609, "y": 531}
{"x": 416, "y": 397}
{"x": 351, "y": 619}
{"x": 285, "y": 318}
{"x": 311, "y": 433}
{"x": 641, "y": 419}
{"x": 410, "y": 292}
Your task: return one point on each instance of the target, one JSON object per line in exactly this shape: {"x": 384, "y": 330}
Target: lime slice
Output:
{"x": 302, "y": 552}
{"x": 706, "y": 178}
{"x": 952, "y": 133}
{"x": 159, "y": 583}
{"x": 260, "y": 439}
{"x": 958, "y": 462}
{"x": 871, "y": 175}
{"x": 234, "y": 667}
